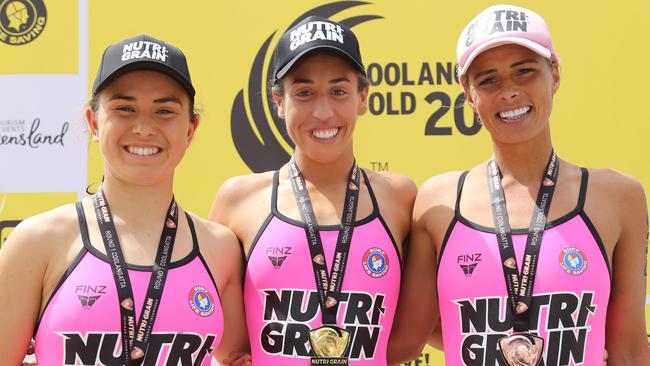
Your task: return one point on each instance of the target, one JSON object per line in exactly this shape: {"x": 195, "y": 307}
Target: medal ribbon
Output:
{"x": 135, "y": 338}
{"x": 520, "y": 285}
{"x": 328, "y": 285}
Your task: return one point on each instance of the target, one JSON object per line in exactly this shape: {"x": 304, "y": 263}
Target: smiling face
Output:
{"x": 320, "y": 105}
{"x": 143, "y": 127}
{"x": 512, "y": 88}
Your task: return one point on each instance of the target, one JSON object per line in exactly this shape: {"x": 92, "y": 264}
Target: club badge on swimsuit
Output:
{"x": 201, "y": 301}
{"x": 375, "y": 262}
{"x": 573, "y": 260}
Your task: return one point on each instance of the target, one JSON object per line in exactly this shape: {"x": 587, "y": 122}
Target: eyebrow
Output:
{"x": 169, "y": 99}
{"x": 129, "y": 98}
{"x": 522, "y": 62}
{"x": 309, "y": 81}
{"x": 123, "y": 97}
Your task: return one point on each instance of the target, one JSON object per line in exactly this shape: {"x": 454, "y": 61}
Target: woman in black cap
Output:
{"x": 97, "y": 282}
{"x": 322, "y": 236}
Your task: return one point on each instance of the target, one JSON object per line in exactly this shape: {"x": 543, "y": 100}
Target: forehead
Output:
{"x": 321, "y": 63}
{"x": 502, "y": 56}
{"x": 145, "y": 82}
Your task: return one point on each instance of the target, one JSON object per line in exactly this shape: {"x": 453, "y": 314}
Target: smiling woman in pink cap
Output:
{"x": 538, "y": 260}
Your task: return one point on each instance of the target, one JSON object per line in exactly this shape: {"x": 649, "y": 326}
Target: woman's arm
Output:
{"x": 626, "y": 339}
{"x": 22, "y": 270}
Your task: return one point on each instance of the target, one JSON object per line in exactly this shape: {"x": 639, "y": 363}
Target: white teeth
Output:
{"x": 515, "y": 113}
{"x": 143, "y": 151}
{"x": 325, "y": 133}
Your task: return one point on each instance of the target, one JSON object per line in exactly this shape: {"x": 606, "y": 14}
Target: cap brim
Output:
{"x": 496, "y": 42}
{"x": 147, "y": 65}
{"x": 286, "y": 68}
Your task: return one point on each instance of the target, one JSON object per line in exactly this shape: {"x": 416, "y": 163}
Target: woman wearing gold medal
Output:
{"x": 322, "y": 236}
{"x": 538, "y": 260}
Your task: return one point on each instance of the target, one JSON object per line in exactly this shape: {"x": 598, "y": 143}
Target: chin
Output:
{"x": 324, "y": 157}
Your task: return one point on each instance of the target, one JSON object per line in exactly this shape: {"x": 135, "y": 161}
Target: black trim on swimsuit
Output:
{"x": 195, "y": 247}
{"x": 83, "y": 228}
{"x": 519, "y": 231}
{"x": 276, "y": 213}
{"x": 136, "y": 267}
{"x": 279, "y": 215}
{"x": 375, "y": 208}
{"x": 587, "y": 220}
{"x": 577, "y": 211}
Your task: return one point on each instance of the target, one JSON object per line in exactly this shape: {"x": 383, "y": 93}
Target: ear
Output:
{"x": 363, "y": 102}
{"x": 279, "y": 104}
{"x": 468, "y": 95}
{"x": 191, "y": 129}
{"x": 555, "y": 74}
{"x": 92, "y": 122}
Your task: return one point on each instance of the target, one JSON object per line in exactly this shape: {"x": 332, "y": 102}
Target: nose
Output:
{"x": 509, "y": 91}
{"x": 322, "y": 108}
{"x": 144, "y": 126}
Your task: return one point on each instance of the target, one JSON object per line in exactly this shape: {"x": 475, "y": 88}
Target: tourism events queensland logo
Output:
{"x": 28, "y": 133}
{"x": 254, "y": 139}
{"x": 21, "y": 21}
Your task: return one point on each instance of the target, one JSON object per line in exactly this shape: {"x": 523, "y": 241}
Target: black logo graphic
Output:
{"x": 564, "y": 319}
{"x": 468, "y": 263}
{"x": 89, "y": 294}
{"x": 266, "y": 153}
{"x": 21, "y": 21}
{"x": 87, "y": 301}
{"x": 288, "y": 314}
{"x": 164, "y": 348}
{"x": 468, "y": 269}
{"x": 272, "y": 253}
{"x": 277, "y": 261}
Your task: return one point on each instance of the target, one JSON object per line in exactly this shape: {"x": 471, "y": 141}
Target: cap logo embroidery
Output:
{"x": 498, "y": 21}
{"x": 144, "y": 49}
{"x": 313, "y": 31}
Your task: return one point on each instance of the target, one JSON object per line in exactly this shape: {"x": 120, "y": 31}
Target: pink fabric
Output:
{"x": 281, "y": 339}
{"x": 179, "y": 332}
{"x": 572, "y": 301}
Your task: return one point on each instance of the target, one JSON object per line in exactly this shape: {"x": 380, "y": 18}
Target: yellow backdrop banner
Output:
{"x": 417, "y": 123}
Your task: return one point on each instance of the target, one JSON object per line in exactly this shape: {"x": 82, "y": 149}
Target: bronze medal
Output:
{"x": 522, "y": 349}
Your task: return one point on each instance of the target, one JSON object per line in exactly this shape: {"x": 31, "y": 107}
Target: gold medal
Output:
{"x": 329, "y": 343}
{"x": 522, "y": 349}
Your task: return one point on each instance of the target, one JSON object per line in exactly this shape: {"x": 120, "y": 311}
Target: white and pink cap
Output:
{"x": 499, "y": 25}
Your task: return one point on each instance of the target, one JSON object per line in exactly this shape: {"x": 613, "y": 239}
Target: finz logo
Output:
{"x": 265, "y": 152}
{"x": 277, "y": 255}
{"x": 88, "y": 295}
{"x": 21, "y": 21}
{"x": 468, "y": 263}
